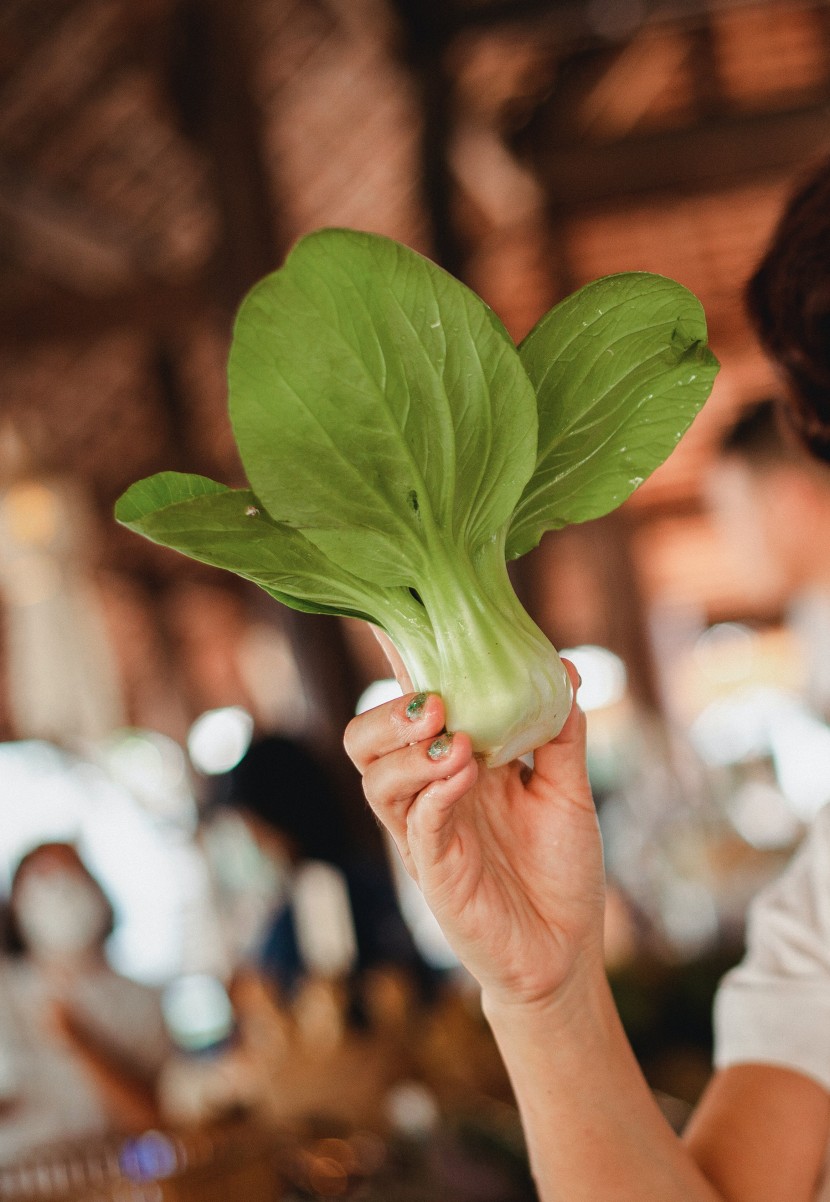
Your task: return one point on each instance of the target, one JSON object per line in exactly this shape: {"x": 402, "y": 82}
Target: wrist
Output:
{"x": 582, "y": 996}
{"x": 580, "y": 989}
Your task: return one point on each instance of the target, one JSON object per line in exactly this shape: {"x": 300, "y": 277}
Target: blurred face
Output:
{"x": 60, "y": 912}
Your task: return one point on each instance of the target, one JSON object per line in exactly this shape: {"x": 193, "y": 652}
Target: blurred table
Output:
{"x": 227, "y": 1165}
{"x": 236, "y": 1165}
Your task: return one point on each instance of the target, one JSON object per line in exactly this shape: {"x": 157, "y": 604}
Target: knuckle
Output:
{"x": 373, "y": 793}
{"x": 351, "y": 741}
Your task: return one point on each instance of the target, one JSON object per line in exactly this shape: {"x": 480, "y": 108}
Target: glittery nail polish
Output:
{"x": 416, "y": 706}
{"x": 440, "y": 747}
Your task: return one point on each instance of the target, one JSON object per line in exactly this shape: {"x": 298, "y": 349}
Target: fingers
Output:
{"x": 562, "y": 762}
{"x": 430, "y": 771}
{"x": 410, "y": 763}
{"x": 429, "y": 818}
{"x": 574, "y": 728}
{"x": 413, "y": 718}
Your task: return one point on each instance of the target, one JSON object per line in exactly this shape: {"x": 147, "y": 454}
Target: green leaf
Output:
{"x": 620, "y": 368}
{"x": 227, "y": 528}
{"x": 379, "y": 405}
{"x": 145, "y": 497}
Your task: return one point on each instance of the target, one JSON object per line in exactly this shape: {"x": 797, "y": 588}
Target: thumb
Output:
{"x": 562, "y": 761}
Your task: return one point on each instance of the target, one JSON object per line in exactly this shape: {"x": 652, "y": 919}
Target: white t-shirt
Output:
{"x": 774, "y": 1008}
{"x": 46, "y": 1097}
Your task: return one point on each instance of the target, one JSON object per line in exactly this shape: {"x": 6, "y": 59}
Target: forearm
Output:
{"x": 592, "y": 1126}
{"x": 129, "y": 1097}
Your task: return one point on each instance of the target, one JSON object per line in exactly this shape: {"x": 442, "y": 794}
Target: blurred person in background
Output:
{"x": 510, "y": 862}
{"x": 773, "y": 499}
{"x": 80, "y": 1046}
{"x": 293, "y": 813}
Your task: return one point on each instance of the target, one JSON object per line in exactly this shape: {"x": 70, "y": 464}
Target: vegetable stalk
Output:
{"x": 499, "y": 676}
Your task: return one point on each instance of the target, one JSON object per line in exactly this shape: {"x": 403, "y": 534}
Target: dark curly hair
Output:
{"x": 788, "y": 300}
{"x": 762, "y": 436}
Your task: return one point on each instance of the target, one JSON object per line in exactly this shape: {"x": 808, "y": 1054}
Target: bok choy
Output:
{"x": 400, "y": 449}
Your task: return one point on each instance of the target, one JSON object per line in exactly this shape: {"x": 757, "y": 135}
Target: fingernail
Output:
{"x": 578, "y": 681}
{"x": 416, "y": 706}
{"x": 440, "y": 746}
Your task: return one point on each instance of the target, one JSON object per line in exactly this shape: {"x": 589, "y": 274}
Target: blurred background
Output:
{"x": 225, "y": 986}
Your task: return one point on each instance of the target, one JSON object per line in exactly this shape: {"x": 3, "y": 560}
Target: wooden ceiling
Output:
{"x": 156, "y": 158}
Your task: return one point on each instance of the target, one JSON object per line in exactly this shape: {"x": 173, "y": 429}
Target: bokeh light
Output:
{"x": 219, "y": 738}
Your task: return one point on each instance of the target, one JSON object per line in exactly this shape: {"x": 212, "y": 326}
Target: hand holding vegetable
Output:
{"x": 400, "y": 449}
{"x": 509, "y": 860}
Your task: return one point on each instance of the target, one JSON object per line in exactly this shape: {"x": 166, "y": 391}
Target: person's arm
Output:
{"x": 511, "y": 865}
{"x": 760, "y": 1132}
{"x": 772, "y": 1015}
{"x": 592, "y": 1126}
{"x": 128, "y": 1096}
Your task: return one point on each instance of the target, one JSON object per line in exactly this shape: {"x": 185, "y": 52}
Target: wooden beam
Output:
{"x": 59, "y": 314}
{"x": 716, "y": 153}
{"x": 64, "y": 240}
{"x": 75, "y": 57}
{"x": 210, "y": 83}
{"x": 427, "y": 31}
